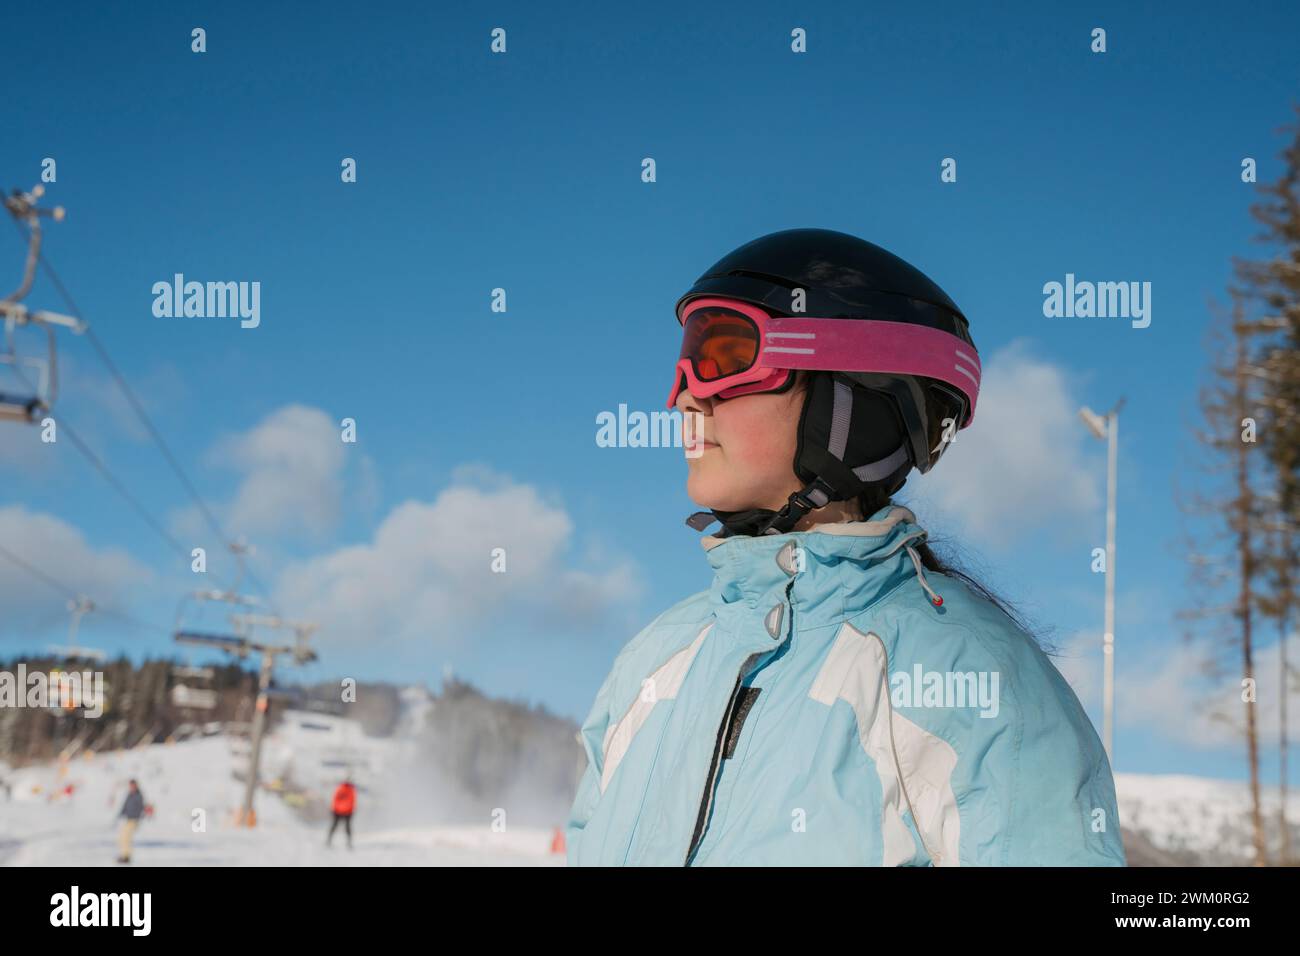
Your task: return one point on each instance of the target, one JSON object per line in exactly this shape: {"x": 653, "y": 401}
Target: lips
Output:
{"x": 690, "y": 439}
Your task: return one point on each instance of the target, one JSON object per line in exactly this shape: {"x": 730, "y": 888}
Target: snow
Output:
{"x": 394, "y": 826}
{"x": 41, "y": 826}
{"x": 1207, "y": 817}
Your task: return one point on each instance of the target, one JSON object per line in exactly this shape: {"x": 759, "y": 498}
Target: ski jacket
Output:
{"x": 345, "y": 799}
{"x": 815, "y": 706}
{"x": 133, "y": 806}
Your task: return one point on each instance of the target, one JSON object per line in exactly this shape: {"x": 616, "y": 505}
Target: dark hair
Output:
{"x": 874, "y": 498}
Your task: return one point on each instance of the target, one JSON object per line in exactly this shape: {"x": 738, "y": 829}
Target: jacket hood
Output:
{"x": 832, "y": 572}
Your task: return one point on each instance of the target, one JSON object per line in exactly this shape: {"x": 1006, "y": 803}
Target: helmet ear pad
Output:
{"x": 874, "y": 431}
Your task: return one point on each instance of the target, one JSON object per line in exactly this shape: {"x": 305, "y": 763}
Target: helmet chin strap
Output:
{"x": 760, "y": 521}
{"x": 840, "y": 461}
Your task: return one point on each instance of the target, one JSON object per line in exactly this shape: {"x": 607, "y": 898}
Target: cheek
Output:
{"x": 759, "y": 434}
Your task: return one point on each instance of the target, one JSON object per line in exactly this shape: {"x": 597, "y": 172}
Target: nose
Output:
{"x": 686, "y": 402}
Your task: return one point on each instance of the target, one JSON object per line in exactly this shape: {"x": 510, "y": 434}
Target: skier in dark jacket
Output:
{"x": 130, "y": 814}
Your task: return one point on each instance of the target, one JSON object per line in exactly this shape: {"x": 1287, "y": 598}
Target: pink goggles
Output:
{"x": 732, "y": 348}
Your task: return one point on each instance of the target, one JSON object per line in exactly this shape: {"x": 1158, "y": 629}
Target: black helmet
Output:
{"x": 858, "y": 429}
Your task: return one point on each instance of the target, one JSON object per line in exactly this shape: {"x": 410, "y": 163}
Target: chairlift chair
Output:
{"x": 35, "y": 399}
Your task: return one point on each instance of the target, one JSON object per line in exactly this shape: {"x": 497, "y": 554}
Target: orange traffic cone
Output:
{"x": 557, "y": 841}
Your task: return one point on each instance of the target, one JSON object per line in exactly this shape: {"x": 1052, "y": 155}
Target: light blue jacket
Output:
{"x": 815, "y": 707}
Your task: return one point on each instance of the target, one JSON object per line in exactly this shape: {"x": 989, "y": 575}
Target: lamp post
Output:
{"x": 1106, "y": 428}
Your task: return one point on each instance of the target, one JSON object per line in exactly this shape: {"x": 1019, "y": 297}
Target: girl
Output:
{"x": 837, "y": 696}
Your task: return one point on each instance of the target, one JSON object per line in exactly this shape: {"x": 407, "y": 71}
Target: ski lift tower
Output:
{"x": 242, "y": 644}
{"x": 79, "y": 608}
{"x": 40, "y": 395}
{"x": 62, "y": 704}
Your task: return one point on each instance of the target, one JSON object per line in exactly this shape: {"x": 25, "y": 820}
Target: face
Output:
{"x": 747, "y": 459}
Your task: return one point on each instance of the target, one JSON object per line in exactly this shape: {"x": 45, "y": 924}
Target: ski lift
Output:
{"x": 70, "y": 652}
{"x": 199, "y": 693}
{"x": 35, "y": 398}
{"x": 289, "y": 695}
{"x": 190, "y": 629}
{"x": 195, "y": 686}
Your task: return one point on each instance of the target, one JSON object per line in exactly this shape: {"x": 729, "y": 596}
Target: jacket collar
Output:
{"x": 846, "y": 567}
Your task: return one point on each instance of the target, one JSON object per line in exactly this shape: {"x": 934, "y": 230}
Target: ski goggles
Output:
{"x": 732, "y": 348}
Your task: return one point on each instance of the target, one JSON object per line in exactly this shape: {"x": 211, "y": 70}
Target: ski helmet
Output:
{"x": 868, "y": 417}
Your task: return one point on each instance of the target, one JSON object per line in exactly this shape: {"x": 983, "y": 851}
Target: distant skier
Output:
{"x": 345, "y": 801}
{"x": 132, "y": 810}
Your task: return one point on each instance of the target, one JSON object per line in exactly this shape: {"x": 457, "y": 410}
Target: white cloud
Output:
{"x": 1024, "y": 462}
{"x": 1166, "y": 695}
{"x": 292, "y": 464}
{"x": 60, "y": 551}
{"x": 1168, "y": 691}
{"x": 427, "y": 574}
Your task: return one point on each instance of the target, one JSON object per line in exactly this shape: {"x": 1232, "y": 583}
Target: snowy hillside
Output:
{"x": 44, "y": 825}
{"x": 1196, "y": 820}
{"x": 65, "y": 815}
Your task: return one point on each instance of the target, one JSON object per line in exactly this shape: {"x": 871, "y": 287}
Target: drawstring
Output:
{"x": 920, "y": 576}
{"x": 906, "y": 542}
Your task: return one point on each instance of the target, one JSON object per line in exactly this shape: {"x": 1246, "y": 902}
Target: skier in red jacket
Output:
{"x": 345, "y": 801}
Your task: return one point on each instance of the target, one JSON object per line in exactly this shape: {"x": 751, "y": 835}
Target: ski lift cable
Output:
{"x": 94, "y": 459}
{"x": 73, "y": 595}
{"x": 113, "y": 480}
{"x": 140, "y": 413}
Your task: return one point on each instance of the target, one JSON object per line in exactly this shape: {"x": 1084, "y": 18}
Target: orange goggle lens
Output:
{"x": 719, "y": 342}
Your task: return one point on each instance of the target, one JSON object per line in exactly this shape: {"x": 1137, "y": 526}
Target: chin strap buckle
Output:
{"x": 812, "y": 496}
{"x": 701, "y": 520}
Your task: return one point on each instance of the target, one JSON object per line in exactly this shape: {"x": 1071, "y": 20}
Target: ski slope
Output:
{"x": 42, "y": 826}
{"x": 1204, "y": 820}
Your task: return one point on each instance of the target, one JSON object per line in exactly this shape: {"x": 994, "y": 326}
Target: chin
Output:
{"x": 713, "y": 491}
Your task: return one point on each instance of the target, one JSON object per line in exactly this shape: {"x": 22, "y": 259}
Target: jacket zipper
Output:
{"x": 706, "y": 800}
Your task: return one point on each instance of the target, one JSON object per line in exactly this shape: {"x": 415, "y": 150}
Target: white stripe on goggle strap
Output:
{"x": 974, "y": 381}
{"x": 972, "y": 362}
{"x": 789, "y": 335}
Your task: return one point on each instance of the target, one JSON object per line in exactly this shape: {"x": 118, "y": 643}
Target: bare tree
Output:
{"x": 1224, "y": 557}
{"x": 1272, "y": 286}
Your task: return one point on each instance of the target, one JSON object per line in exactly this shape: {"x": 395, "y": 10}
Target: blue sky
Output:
{"x": 522, "y": 171}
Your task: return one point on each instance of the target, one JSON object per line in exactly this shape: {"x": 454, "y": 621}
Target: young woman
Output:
{"x": 837, "y": 696}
